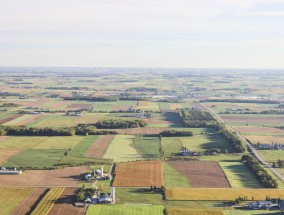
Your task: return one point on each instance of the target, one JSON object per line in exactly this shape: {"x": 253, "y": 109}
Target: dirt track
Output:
{"x": 202, "y": 173}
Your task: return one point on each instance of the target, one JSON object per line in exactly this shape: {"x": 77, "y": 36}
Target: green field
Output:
{"x": 147, "y": 146}
{"x": 59, "y": 142}
{"x": 22, "y": 142}
{"x": 239, "y": 176}
{"x": 82, "y": 147}
{"x": 272, "y": 155}
{"x": 11, "y": 197}
{"x": 125, "y": 210}
{"x": 121, "y": 149}
{"x": 173, "y": 178}
{"x": 36, "y": 158}
{"x": 55, "y": 120}
{"x": 138, "y": 196}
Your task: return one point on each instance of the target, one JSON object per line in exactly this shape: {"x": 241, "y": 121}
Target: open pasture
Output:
{"x": 29, "y": 203}
{"x": 99, "y": 147}
{"x": 272, "y": 155}
{"x": 147, "y": 146}
{"x": 253, "y": 119}
{"x": 138, "y": 174}
{"x": 201, "y": 173}
{"x": 186, "y": 211}
{"x": 125, "y": 210}
{"x": 11, "y": 197}
{"x": 239, "y": 176}
{"x": 69, "y": 176}
{"x": 121, "y": 149}
{"x": 221, "y": 194}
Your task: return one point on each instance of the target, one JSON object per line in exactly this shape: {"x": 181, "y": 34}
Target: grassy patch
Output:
{"x": 147, "y": 146}
{"x": 11, "y": 197}
{"x": 81, "y": 148}
{"x": 125, "y": 210}
{"x": 239, "y": 176}
{"x": 121, "y": 149}
{"x": 174, "y": 178}
{"x": 59, "y": 142}
{"x": 22, "y": 142}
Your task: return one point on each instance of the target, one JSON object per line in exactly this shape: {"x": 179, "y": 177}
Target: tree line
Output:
{"x": 261, "y": 174}
{"x": 118, "y": 123}
{"x": 175, "y": 133}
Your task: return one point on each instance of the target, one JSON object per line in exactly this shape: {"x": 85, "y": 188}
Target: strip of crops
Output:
{"x": 48, "y": 201}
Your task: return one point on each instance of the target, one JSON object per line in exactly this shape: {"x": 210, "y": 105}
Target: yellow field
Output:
{"x": 265, "y": 139}
{"x": 175, "y": 106}
{"x": 11, "y": 197}
{"x": 221, "y": 194}
{"x": 185, "y": 211}
{"x": 48, "y": 201}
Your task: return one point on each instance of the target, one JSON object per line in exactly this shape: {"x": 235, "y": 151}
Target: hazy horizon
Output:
{"x": 162, "y": 34}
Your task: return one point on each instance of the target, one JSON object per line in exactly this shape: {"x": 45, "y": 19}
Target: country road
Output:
{"x": 252, "y": 149}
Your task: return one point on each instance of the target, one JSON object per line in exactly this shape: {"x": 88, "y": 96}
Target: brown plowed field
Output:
{"x": 99, "y": 147}
{"x": 144, "y": 130}
{"x": 29, "y": 203}
{"x": 138, "y": 174}
{"x": 60, "y": 177}
{"x": 2, "y": 121}
{"x": 143, "y": 103}
{"x": 5, "y": 154}
{"x": 255, "y": 129}
{"x": 202, "y": 173}
{"x": 30, "y": 119}
{"x": 118, "y": 108}
{"x": 64, "y": 204}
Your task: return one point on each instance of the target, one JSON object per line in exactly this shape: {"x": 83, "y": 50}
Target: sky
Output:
{"x": 142, "y": 33}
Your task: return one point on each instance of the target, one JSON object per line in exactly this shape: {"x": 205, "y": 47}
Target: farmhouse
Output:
{"x": 260, "y": 205}
{"x": 273, "y": 146}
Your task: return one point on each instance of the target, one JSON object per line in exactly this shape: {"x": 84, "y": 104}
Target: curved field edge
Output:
{"x": 221, "y": 194}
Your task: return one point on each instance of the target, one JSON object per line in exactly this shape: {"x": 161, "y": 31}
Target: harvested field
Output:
{"x": 38, "y": 102}
{"x": 60, "y": 177}
{"x": 143, "y": 103}
{"x": 257, "y": 130}
{"x": 64, "y": 204}
{"x": 29, "y": 203}
{"x": 175, "y": 106}
{"x": 201, "y": 173}
{"x": 30, "y": 119}
{"x": 265, "y": 139}
{"x": 3, "y": 138}
{"x": 185, "y": 211}
{"x": 10, "y": 118}
{"x": 99, "y": 147}
{"x": 59, "y": 105}
{"x": 118, "y": 108}
{"x": 138, "y": 174}
{"x": 78, "y": 106}
{"x": 5, "y": 154}
{"x": 221, "y": 194}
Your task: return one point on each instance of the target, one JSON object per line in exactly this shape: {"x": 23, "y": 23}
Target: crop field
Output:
{"x": 10, "y": 118}
{"x": 99, "y": 147}
{"x": 138, "y": 174}
{"x": 59, "y": 105}
{"x": 199, "y": 142}
{"x": 29, "y": 203}
{"x": 47, "y": 201}
{"x": 64, "y": 204}
{"x": 21, "y": 142}
{"x": 19, "y": 120}
{"x": 78, "y": 106}
{"x": 55, "y": 120}
{"x": 11, "y": 197}
{"x": 121, "y": 149}
{"x": 125, "y": 210}
{"x": 265, "y": 139}
{"x": 221, "y": 194}
{"x": 69, "y": 176}
{"x": 148, "y": 106}
{"x": 272, "y": 155}
{"x": 174, "y": 178}
{"x": 5, "y": 154}
{"x": 239, "y": 176}
{"x": 253, "y": 119}
{"x": 147, "y": 146}
{"x": 60, "y": 142}
{"x": 254, "y": 130}
{"x": 185, "y": 211}
{"x": 29, "y": 119}
{"x": 201, "y": 173}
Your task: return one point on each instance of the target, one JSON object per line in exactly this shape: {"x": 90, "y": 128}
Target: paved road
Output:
{"x": 252, "y": 149}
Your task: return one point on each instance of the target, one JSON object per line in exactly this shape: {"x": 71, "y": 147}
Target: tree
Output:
{"x": 80, "y": 196}
{"x": 162, "y": 152}
{"x": 65, "y": 154}
{"x": 280, "y": 163}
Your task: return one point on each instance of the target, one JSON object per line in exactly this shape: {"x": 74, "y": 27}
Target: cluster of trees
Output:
{"x": 261, "y": 174}
{"x": 197, "y": 118}
{"x": 232, "y": 138}
{"x": 25, "y": 131}
{"x": 116, "y": 124}
{"x": 254, "y": 112}
{"x": 280, "y": 164}
{"x": 175, "y": 133}
{"x": 91, "y": 130}
{"x": 9, "y": 105}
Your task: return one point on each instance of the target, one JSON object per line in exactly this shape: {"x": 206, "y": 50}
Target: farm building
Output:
{"x": 260, "y": 205}
{"x": 281, "y": 205}
{"x": 273, "y": 146}
{"x": 10, "y": 171}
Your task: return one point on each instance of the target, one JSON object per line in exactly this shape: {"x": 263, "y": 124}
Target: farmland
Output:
{"x": 184, "y": 211}
{"x": 138, "y": 174}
